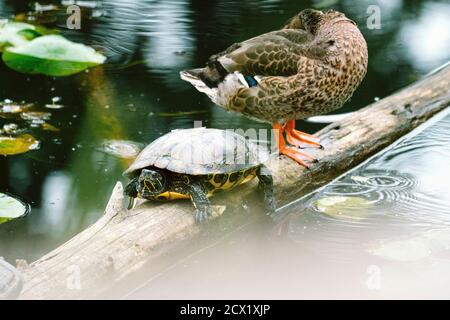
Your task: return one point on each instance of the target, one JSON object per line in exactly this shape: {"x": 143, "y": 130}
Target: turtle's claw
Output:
{"x": 270, "y": 202}
{"x": 131, "y": 203}
{"x": 202, "y": 216}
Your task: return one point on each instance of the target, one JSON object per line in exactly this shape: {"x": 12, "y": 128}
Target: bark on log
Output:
{"x": 122, "y": 240}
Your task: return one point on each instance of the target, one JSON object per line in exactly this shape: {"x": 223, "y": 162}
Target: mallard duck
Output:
{"x": 310, "y": 66}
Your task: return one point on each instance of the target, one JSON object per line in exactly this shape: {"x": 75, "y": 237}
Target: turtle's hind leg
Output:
{"x": 199, "y": 198}
{"x": 266, "y": 185}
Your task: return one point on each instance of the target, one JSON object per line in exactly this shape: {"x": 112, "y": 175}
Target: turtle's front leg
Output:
{"x": 131, "y": 192}
{"x": 266, "y": 185}
{"x": 199, "y": 198}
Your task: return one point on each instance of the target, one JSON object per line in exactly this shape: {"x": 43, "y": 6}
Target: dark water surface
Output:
{"x": 138, "y": 96}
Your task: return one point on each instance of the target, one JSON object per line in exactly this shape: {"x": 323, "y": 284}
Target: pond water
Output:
{"x": 138, "y": 96}
{"x": 381, "y": 230}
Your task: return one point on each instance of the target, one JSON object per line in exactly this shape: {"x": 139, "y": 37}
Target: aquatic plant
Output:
{"x": 28, "y": 49}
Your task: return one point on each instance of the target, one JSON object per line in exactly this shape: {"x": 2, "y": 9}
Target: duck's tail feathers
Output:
{"x": 221, "y": 94}
{"x": 193, "y": 77}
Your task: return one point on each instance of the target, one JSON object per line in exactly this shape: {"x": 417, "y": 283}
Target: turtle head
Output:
{"x": 151, "y": 183}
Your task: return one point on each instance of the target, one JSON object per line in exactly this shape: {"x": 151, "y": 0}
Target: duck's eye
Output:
{"x": 330, "y": 42}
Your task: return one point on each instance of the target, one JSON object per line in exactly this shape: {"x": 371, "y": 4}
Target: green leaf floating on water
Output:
{"x": 344, "y": 207}
{"x": 52, "y": 55}
{"x": 15, "y": 145}
{"x": 11, "y": 208}
{"x": 16, "y": 33}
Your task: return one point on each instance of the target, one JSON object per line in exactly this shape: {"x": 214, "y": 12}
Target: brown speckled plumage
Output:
{"x": 311, "y": 66}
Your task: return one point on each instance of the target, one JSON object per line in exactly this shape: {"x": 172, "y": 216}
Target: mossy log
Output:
{"x": 121, "y": 241}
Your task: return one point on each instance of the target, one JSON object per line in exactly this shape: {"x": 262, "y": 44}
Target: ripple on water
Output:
{"x": 390, "y": 188}
{"x": 396, "y": 184}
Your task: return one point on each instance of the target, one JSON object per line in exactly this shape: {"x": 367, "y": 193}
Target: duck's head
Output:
{"x": 312, "y": 20}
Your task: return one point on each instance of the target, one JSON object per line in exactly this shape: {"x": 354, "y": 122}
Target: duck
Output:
{"x": 310, "y": 66}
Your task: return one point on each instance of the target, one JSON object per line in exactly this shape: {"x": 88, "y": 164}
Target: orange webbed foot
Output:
{"x": 295, "y": 139}
{"x": 298, "y": 156}
{"x": 298, "y": 138}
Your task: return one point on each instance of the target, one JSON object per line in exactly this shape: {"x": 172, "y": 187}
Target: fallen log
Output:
{"x": 121, "y": 241}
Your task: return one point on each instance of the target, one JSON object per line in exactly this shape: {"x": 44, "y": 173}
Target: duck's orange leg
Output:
{"x": 298, "y": 138}
{"x": 291, "y": 152}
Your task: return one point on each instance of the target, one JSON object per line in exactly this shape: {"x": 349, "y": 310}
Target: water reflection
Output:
{"x": 431, "y": 31}
{"x": 56, "y": 190}
{"x": 407, "y": 188}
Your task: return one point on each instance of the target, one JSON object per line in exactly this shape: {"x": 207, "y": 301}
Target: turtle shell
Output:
{"x": 199, "y": 151}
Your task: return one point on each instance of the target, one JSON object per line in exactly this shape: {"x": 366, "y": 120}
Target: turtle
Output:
{"x": 196, "y": 164}
{"x": 310, "y": 66}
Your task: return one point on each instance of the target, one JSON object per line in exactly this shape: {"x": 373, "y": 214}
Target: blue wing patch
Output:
{"x": 251, "y": 81}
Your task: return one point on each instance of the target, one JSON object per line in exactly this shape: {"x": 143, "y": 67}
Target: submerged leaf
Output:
{"x": 48, "y": 127}
{"x": 343, "y": 206}
{"x": 54, "y": 106}
{"x": 121, "y": 148}
{"x": 35, "y": 115}
{"x": 9, "y": 129}
{"x": 16, "y": 145}
{"x": 8, "y": 110}
{"x": 52, "y": 55}
{"x": 359, "y": 179}
{"x": 11, "y": 208}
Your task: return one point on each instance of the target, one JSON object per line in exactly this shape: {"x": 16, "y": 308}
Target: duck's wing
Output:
{"x": 271, "y": 54}
{"x": 270, "y": 60}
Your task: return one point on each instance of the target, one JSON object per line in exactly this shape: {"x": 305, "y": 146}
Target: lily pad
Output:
{"x": 35, "y": 115}
{"x": 9, "y": 129}
{"x": 16, "y": 33}
{"x": 15, "y": 145}
{"x": 121, "y": 148}
{"x": 52, "y": 55}
{"x": 10, "y": 109}
{"x": 11, "y": 208}
{"x": 343, "y": 207}
{"x": 49, "y": 127}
